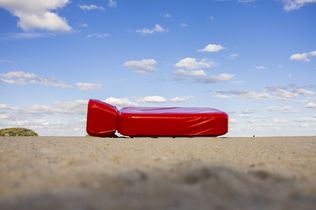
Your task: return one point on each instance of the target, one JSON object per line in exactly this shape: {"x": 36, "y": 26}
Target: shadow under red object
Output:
{"x": 104, "y": 120}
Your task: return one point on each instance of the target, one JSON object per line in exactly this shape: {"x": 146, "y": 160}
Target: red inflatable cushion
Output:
{"x": 101, "y": 119}
{"x": 172, "y": 121}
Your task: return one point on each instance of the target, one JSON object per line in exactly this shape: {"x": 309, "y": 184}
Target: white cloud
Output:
{"x": 6, "y": 107}
{"x": 216, "y": 78}
{"x": 189, "y": 68}
{"x": 141, "y": 66}
{"x": 120, "y": 101}
{"x": 290, "y": 5}
{"x": 147, "y": 31}
{"x": 212, "y": 48}
{"x": 4, "y": 116}
{"x": 179, "y": 99}
{"x": 190, "y": 73}
{"x": 282, "y": 93}
{"x": 305, "y": 56}
{"x": 311, "y": 105}
{"x": 87, "y": 86}
{"x": 90, "y": 7}
{"x": 98, "y": 35}
{"x": 153, "y": 99}
{"x": 201, "y": 76}
{"x": 300, "y": 57}
{"x": 312, "y": 53}
{"x": 58, "y": 118}
{"x": 193, "y": 63}
{"x": 23, "y": 78}
{"x": 242, "y": 94}
{"x": 36, "y": 14}
{"x": 60, "y": 107}
{"x": 112, "y": 3}
{"x": 287, "y": 93}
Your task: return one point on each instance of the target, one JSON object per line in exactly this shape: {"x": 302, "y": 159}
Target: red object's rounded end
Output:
{"x": 101, "y": 119}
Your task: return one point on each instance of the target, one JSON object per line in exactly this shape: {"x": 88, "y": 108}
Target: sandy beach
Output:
{"x": 157, "y": 173}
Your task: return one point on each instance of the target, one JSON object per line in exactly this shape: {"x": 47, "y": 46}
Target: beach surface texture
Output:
{"x": 86, "y": 173}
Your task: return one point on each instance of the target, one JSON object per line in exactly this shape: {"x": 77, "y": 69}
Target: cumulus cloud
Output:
{"x": 190, "y": 68}
{"x": 242, "y": 94}
{"x": 153, "y": 99}
{"x": 120, "y": 101}
{"x": 90, "y": 7}
{"x": 59, "y": 107}
{"x": 290, "y": 5}
{"x": 311, "y": 105}
{"x": 312, "y": 53}
{"x": 134, "y": 101}
{"x": 212, "y": 48}
{"x": 4, "y": 116}
{"x": 193, "y": 63}
{"x": 300, "y": 57}
{"x": 148, "y": 31}
{"x": 216, "y": 78}
{"x": 282, "y": 93}
{"x": 6, "y": 107}
{"x": 37, "y": 14}
{"x": 201, "y": 76}
{"x": 287, "y": 93}
{"x": 141, "y": 66}
{"x": 305, "y": 56}
{"x": 179, "y": 99}
{"x": 23, "y": 78}
{"x": 190, "y": 73}
{"x": 87, "y": 86}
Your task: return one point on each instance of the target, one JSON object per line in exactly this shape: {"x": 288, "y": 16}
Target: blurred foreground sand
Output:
{"x": 157, "y": 173}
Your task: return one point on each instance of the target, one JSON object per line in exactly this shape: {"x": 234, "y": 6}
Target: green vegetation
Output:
{"x": 17, "y": 132}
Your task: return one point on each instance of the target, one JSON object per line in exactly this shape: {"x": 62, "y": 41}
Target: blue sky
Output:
{"x": 254, "y": 59}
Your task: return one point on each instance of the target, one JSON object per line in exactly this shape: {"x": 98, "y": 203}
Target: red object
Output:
{"x": 103, "y": 119}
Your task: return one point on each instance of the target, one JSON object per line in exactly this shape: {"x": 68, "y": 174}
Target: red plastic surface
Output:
{"x": 172, "y": 121}
{"x": 104, "y": 119}
{"x": 101, "y": 119}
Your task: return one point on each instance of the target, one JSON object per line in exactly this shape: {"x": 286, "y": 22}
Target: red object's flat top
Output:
{"x": 168, "y": 110}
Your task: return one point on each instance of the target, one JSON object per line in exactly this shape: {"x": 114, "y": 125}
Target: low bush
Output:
{"x": 17, "y": 132}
